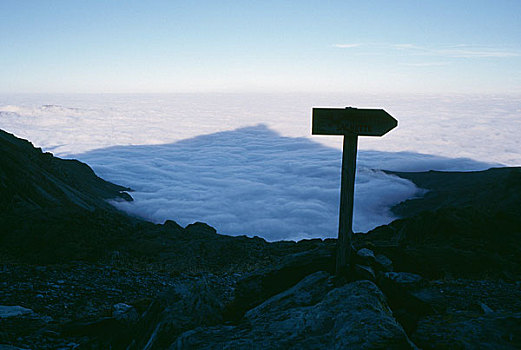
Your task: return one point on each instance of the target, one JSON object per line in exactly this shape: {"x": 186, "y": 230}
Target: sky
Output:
{"x": 152, "y": 46}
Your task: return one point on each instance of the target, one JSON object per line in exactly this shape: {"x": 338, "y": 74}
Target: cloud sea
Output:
{"x": 247, "y": 164}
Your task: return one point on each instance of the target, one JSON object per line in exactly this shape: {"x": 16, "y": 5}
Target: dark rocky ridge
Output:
{"x": 493, "y": 191}
{"x": 467, "y": 224}
{"x": 32, "y": 180}
{"x": 76, "y": 273}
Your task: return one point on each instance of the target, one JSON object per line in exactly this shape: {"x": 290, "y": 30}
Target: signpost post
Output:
{"x": 350, "y": 122}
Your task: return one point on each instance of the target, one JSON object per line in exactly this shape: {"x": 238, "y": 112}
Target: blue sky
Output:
{"x": 273, "y": 46}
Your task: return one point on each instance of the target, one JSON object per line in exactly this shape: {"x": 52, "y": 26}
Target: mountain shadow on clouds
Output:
{"x": 254, "y": 181}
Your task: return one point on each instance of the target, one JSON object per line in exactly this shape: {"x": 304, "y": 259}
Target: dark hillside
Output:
{"x": 53, "y": 209}
{"x": 31, "y": 179}
{"x": 492, "y": 190}
{"x": 468, "y": 224}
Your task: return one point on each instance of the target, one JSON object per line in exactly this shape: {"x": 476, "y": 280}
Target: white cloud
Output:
{"x": 426, "y": 64}
{"x": 254, "y": 181}
{"x": 461, "y": 51}
{"x": 471, "y": 52}
{"x": 246, "y": 181}
{"x": 452, "y": 51}
{"x": 346, "y": 46}
{"x": 404, "y": 46}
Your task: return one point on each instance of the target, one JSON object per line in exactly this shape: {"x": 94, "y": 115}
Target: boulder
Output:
{"x": 376, "y": 263}
{"x": 311, "y": 315}
{"x": 125, "y": 313}
{"x": 258, "y": 286}
{"x": 383, "y": 263}
{"x": 365, "y": 256}
{"x": 185, "y": 306}
{"x": 410, "y": 297}
{"x": 309, "y": 291}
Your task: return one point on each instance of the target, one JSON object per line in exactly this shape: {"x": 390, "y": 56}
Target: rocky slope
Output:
{"x": 77, "y": 274}
{"x": 32, "y": 180}
{"x": 468, "y": 224}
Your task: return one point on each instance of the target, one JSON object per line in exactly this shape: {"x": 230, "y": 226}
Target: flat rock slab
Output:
{"x": 10, "y": 347}
{"x": 13, "y": 311}
{"x": 312, "y": 314}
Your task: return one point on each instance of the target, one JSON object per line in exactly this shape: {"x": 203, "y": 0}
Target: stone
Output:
{"x": 10, "y": 347}
{"x": 383, "y": 263}
{"x": 312, "y": 314}
{"x": 410, "y": 297}
{"x": 309, "y": 291}
{"x": 14, "y": 311}
{"x": 365, "y": 256}
{"x": 405, "y": 279}
{"x": 125, "y": 313}
{"x": 485, "y": 308}
{"x": 260, "y": 285}
{"x": 185, "y": 306}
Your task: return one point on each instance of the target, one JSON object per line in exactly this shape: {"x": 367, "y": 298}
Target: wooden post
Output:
{"x": 347, "y": 187}
{"x": 350, "y": 122}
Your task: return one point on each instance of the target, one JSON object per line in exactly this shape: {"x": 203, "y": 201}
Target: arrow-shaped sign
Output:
{"x": 349, "y": 122}
{"x": 341, "y": 121}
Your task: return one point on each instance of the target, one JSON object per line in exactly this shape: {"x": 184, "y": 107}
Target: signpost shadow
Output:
{"x": 254, "y": 181}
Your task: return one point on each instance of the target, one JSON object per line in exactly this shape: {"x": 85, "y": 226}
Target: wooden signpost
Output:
{"x": 350, "y": 122}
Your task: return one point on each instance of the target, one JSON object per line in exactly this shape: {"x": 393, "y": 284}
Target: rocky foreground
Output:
{"x": 77, "y": 274}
